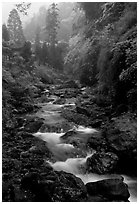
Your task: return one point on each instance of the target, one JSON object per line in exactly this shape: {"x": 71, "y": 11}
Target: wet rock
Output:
{"x": 8, "y": 193}
{"x": 30, "y": 181}
{"x": 47, "y": 168}
{"x": 124, "y": 145}
{"x": 42, "y": 192}
{"x": 111, "y": 189}
{"x": 25, "y": 135}
{"x": 50, "y": 128}
{"x": 72, "y": 116}
{"x": 69, "y": 134}
{"x": 34, "y": 161}
{"x": 70, "y": 84}
{"x": 102, "y": 162}
{"x": 5, "y": 177}
{"x": 60, "y": 101}
{"x": 97, "y": 123}
{"x": 8, "y": 164}
{"x": 121, "y": 142}
{"x": 34, "y": 125}
{"x": 42, "y": 87}
{"x": 59, "y": 93}
{"x": 55, "y": 186}
{"x": 69, "y": 189}
{"x": 71, "y": 93}
{"x": 20, "y": 121}
{"x": 28, "y": 107}
{"x": 33, "y": 149}
{"x": 97, "y": 198}
{"x": 85, "y": 95}
{"x": 24, "y": 154}
{"x": 15, "y": 152}
{"x": 121, "y": 109}
{"x": 44, "y": 99}
{"x": 39, "y": 149}
{"x": 62, "y": 96}
{"x": 66, "y": 92}
{"x": 97, "y": 142}
{"x": 82, "y": 110}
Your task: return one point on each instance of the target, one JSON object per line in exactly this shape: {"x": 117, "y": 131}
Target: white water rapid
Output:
{"x": 67, "y": 156}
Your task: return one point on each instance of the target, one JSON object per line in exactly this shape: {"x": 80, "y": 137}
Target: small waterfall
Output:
{"x": 76, "y": 166}
{"x": 67, "y": 155}
{"x": 65, "y": 146}
{"x": 132, "y": 185}
{"x": 52, "y": 138}
{"x": 71, "y": 165}
{"x": 61, "y": 151}
{"x": 86, "y": 130}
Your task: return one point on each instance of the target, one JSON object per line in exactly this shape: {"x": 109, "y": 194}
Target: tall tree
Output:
{"x": 23, "y": 7}
{"x": 26, "y": 51}
{"x": 37, "y": 45}
{"x": 5, "y": 33}
{"x": 42, "y": 16}
{"x": 15, "y": 28}
{"x": 52, "y": 24}
{"x": 44, "y": 53}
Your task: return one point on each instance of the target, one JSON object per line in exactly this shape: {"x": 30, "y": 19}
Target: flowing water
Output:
{"x": 68, "y": 157}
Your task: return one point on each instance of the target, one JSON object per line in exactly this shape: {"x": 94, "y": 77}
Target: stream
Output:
{"x": 67, "y": 156}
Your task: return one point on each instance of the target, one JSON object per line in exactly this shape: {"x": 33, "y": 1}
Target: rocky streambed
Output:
{"x": 70, "y": 150}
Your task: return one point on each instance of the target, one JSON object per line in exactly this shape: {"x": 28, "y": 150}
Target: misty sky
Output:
{"x": 8, "y": 6}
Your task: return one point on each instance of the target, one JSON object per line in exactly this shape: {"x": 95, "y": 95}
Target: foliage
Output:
{"x": 23, "y": 7}
{"x": 20, "y": 84}
{"x": 5, "y": 33}
{"x": 37, "y": 44}
{"x": 15, "y": 28}
{"x": 66, "y": 18}
{"x": 92, "y": 10}
{"x": 26, "y": 51}
{"x": 103, "y": 51}
{"x": 44, "y": 53}
{"x": 55, "y": 53}
{"x": 52, "y": 24}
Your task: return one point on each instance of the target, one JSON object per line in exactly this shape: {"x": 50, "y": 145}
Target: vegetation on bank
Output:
{"x": 103, "y": 51}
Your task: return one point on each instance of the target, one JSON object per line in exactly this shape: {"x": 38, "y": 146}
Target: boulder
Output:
{"x": 34, "y": 125}
{"x": 71, "y": 93}
{"x": 70, "y": 84}
{"x": 96, "y": 123}
{"x": 102, "y": 162}
{"x": 77, "y": 140}
{"x": 37, "y": 150}
{"x": 55, "y": 186}
{"x": 111, "y": 189}
{"x": 97, "y": 142}
{"x": 60, "y": 101}
{"x": 40, "y": 149}
{"x": 68, "y": 188}
{"x": 69, "y": 134}
{"x": 25, "y": 154}
{"x": 120, "y": 142}
{"x": 123, "y": 144}
{"x": 82, "y": 110}
{"x": 30, "y": 181}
